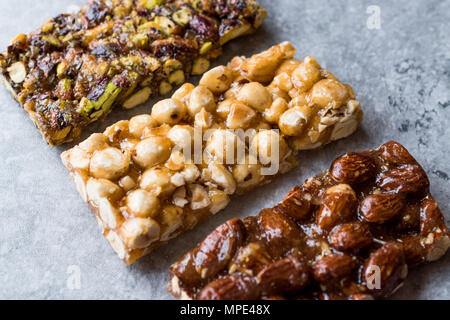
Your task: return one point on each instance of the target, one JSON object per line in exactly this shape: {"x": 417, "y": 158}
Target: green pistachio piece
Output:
{"x": 235, "y": 32}
{"x": 52, "y": 40}
{"x": 177, "y": 78}
{"x": 205, "y": 48}
{"x": 141, "y": 40}
{"x": 150, "y": 4}
{"x": 201, "y": 65}
{"x": 83, "y": 106}
{"x": 131, "y": 62}
{"x": 165, "y": 88}
{"x": 103, "y": 103}
{"x": 61, "y": 68}
{"x": 152, "y": 63}
{"x": 171, "y": 65}
{"x": 167, "y": 26}
{"x": 138, "y": 98}
{"x": 162, "y": 24}
{"x": 182, "y": 17}
{"x": 60, "y": 135}
{"x": 96, "y": 114}
{"x": 147, "y": 26}
{"x": 67, "y": 84}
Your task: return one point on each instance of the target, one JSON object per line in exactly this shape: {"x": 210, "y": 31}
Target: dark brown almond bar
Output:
{"x": 76, "y": 67}
{"x": 351, "y": 232}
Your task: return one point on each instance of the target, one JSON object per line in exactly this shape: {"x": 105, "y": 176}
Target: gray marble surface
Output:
{"x": 400, "y": 72}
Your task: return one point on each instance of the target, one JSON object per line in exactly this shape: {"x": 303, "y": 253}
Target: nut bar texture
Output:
{"x": 370, "y": 213}
{"x": 145, "y": 188}
{"x": 76, "y": 67}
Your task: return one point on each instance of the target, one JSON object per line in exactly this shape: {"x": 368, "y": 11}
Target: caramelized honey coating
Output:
{"x": 142, "y": 179}
{"x": 77, "y": 67}
{"x": 341, "y": 235}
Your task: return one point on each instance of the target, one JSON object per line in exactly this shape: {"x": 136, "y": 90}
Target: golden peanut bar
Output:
{"x": 145, "y": 189}
{"x": 77, "y": 67}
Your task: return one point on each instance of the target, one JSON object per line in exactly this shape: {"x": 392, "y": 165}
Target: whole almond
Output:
{"x": 212, "y": 255}
{"x": 297, "y": 204}
{"x": 350, "y": 237}
{"x": 275, "y": 298}
{"x": 339, "y": 205}
{"x": 380, "y": 208}
{"x": 404, "y": 179}
{"x": 231, "y": 288}
{"x": 431, "y": 217}
{"x": 333, "y": 268}
{"x": 353, "y": 168}
{"x": 279, "y": 231}
{"x": 394, "y": 153}
{"x": 285, "y": 276}
{"x": 361, "y": 296}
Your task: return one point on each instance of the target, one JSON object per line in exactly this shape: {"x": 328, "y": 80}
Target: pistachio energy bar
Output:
{"x": 156, "y": 176}
{"x": 76, "y": 67}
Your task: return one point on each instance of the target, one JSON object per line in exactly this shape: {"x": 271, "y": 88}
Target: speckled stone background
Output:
{"x": 400, "y": 73}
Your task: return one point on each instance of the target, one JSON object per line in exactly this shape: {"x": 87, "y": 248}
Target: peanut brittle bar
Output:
{"x": 76, "y": 67}
{"x": 156, "y": 176}
{"x": 348, "y": 233}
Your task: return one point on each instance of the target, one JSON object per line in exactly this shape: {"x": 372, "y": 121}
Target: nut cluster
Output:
{"x": 348, "y": 233}
{"x": 141, "y": 177}
{"x": 75, "y": 68}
